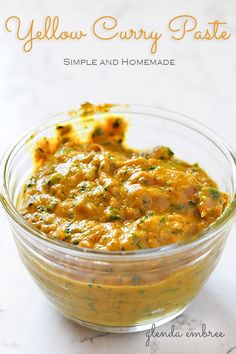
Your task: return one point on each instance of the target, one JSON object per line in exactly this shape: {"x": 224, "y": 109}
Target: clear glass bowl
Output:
{"x": 123, "y": 291}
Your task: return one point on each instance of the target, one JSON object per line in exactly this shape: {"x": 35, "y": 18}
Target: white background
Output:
{"x": 36, "y": 85}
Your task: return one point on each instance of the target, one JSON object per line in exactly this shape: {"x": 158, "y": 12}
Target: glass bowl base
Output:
{"x": 130, "y": 329}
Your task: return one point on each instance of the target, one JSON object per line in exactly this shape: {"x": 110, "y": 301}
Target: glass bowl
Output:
{"x": 123, "y": 291}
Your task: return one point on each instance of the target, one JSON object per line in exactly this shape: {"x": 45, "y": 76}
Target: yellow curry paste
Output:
{"x": 103, "y": 195}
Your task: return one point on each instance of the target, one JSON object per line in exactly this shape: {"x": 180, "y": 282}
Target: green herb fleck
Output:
{"x": 195, "y": 167}
{"x": 140, "y": 245}
{"x": 149, "y": 214}
{"x": 170, "y": 152}
{"x": 54, "y": 178}
{"x": 146, "y": 201}
{"x": 67, "y": 230}
{"x": 113, "y": 217}
{"x": 134, "y": 238}
{"x": 51, "y": 207}
{"x": 162, "y": 219}
{"x": 214, "y": 193}
{"x": 97, "y": 132}
{"x": 40, "y": 208}
{"x": 83, "y": 187}
{"x": 64, "y": 150}
{"x": 136, "y": 279}
{"x": 117, "y": 123}
{"x": 178, "y": 207}
{"x": 31, "y": 182}
{"x": 153, "y": 167}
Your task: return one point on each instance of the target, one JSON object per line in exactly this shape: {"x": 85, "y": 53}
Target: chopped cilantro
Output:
{"x": 140, "y": 245}
{"x": 67, "y": 230}
{"x": 134, "y": 238}
{"x": 53, "y": 179}
{"x": 146, "y": 201}
{"x": 97, "y": 132}
{"x": 215, "y": 194}
{"x": 83, "y": 187}
{"x": 51, "y": 207}
{"x": 195, "y": 167}
{"x": 170, "y": 152}
{"x": 64, "y": 150}
{"x": 31, "y": 182}
{"x": 150, "y": 213}
{"x": 117, "y": 123}
{"x": 113, "y": 217}
{"x": 162, "y": 219}
{"x": 40, "y": 208}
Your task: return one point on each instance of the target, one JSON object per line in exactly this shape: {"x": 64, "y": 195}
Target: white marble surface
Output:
{"x": 34, "y": 86}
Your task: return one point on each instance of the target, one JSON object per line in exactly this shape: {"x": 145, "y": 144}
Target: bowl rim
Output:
{"x": 206, "y": 235}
